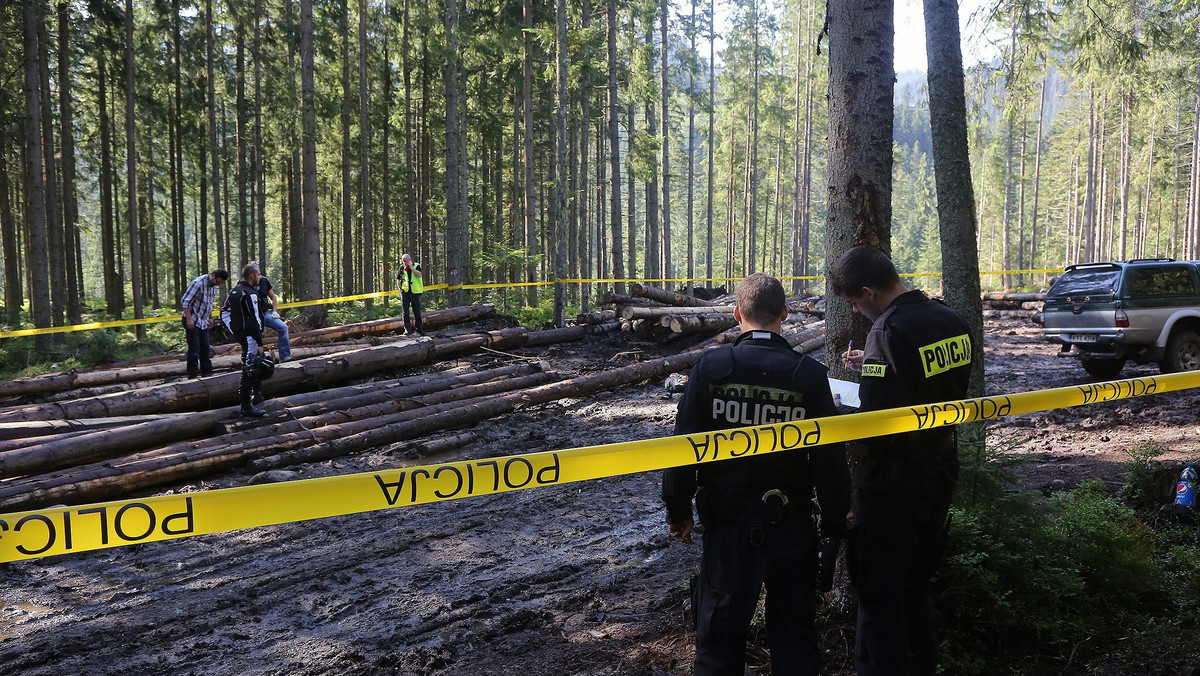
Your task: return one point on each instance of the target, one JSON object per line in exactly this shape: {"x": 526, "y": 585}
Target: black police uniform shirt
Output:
{"x": 759, "y": 381}
{"x": 918, "y": 351}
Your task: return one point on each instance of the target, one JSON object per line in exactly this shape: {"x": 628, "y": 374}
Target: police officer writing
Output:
{"x": 246, "y": 310}
{"x": 918, "y": 351}
{"x": 757, "y": 512}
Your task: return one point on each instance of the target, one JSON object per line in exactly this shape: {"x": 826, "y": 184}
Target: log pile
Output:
{"x": 228, "y": 356}
{"x": 304, "y": 427}
{"x": 1019, "y": 305}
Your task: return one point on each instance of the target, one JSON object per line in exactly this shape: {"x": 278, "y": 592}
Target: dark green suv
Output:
{"x": 1147, "y": 310}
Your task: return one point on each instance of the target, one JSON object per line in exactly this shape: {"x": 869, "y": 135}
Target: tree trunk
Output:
{"x": 260, "y": 206}
{"x": 560, "y": 158}
{"x": 315, "y": 314}
{"x": 347, "y": 197}
{"x": 70, "y": 204}
{"x": 952, "y": 171}
{"x": 705, "y": 323}
{"x": 642, "y": 312}
{"x": 614, "y": 152}
{"x": 57, "y": 281}
{"x": 213, "y": 148}
{"x": 13, "y": 296}
{"x": 668, "y": 269}
{"x": 691, "y": 151}
{"x": 861, "y": 78}
{"x": 35, "y": 187}
{"x": 530, "y": 193}
{"x": 712, "y": 139}
{"x": 364, "y": 164}
{"x": 1037, "y": 179}
{"x": 752, "y": 162}
{"x": 113, "y": 295}
{"x": 1089, "y": 201}
{"x": 245, "y": 229}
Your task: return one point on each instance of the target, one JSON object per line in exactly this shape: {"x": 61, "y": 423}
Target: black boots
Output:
{"x": 246, "y": 392}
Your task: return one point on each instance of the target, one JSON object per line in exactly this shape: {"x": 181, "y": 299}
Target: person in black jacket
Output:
{"x": 757, "y": 512}
{"x": 918, "y": 351}
{"x": 246, "y": 311}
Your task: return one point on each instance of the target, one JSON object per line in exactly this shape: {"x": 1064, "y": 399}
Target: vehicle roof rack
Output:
{"x": 1157, "y": 259}
{"x": 1079, "y": 266}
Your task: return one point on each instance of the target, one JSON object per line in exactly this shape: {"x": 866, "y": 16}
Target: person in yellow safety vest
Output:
{"x": 408, "y": 280}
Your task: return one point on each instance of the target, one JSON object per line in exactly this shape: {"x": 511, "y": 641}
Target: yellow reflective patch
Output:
{"x": 944, "y": 355}
{"x": 874, "y": 370}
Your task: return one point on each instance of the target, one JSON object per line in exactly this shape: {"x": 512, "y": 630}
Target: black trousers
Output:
{"x": 739, "y": 557}
{"x": 412, "y": 300}
{"x": 892, "y": 551}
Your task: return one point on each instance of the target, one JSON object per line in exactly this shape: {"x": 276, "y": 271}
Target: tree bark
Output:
{"x": 952, "y": 171}
{"x": 560, "y": 158}
{"x": 35, "y": 186}
{"x": 364, "y": 164}
{"x": 70, "y": 203}
{"x": 668, "y": 269}
{"x": 315, "y": 314}
{"x": 861, "y": 77}
{"x": 668, "y": 297}
{"x": 614, "y": 152}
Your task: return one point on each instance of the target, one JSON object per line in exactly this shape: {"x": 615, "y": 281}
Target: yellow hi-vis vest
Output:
{"x": 409, "y": 282}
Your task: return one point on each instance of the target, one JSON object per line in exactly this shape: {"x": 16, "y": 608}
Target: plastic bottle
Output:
{"x": 1185, "y": 490}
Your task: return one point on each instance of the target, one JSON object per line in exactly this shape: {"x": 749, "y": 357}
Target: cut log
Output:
{"x": 597, "y": 317}
{"x": 1018, "y": 297}
{"x": 701, "y": 323}
{"x": 666, "y": 296}
{"x": 438, "y": 446}
{"x": 636, "y": 312}
{"x": 106, "y": 443}
{"x": 432, "y": 320}
{"x": 610, "y": 298}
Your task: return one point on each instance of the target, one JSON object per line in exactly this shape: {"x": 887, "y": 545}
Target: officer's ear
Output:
{"x": 783, "y": 317}
{"x": 737, "y": 314}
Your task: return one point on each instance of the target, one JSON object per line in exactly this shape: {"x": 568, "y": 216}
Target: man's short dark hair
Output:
{"x": 222, "y": 274}
{"x": 761, "y": 299}
{"x": 862, "y": 266}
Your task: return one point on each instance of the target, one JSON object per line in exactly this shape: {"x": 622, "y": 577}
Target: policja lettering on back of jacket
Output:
{"x": 745, "y": 405}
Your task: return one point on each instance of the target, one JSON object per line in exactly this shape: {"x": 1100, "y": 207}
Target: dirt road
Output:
{"x": 574, "y": 579}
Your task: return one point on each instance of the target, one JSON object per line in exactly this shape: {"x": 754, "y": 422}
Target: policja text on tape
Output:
{"x": 49, "y": 532}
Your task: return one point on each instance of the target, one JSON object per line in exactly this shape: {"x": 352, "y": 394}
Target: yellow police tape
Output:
{"x": 434, "y": 287}
{"x": 61, "y": 530}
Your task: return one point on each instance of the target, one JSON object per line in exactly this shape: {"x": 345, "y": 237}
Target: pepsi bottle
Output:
{"x": 1185, "y": 490}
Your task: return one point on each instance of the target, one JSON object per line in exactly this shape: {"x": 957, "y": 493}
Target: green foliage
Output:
{"x": 1139, "y": 486}
{"x": 536, "y": 316}
{"x": 1030, "y": 585}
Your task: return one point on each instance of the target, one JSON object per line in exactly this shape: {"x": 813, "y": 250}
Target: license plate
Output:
{"x": 1082, "y": 337}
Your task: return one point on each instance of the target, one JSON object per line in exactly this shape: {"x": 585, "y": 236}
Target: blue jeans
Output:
{"x": 198, "y": 362}
{"x": 272, "y": 321}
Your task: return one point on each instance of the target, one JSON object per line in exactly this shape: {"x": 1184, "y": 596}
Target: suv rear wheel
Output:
{"x": 1183, "y": 353}
{"x": 1104, "y": 369}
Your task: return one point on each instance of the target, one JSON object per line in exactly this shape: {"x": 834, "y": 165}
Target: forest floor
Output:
{"x": 570, "y": 579}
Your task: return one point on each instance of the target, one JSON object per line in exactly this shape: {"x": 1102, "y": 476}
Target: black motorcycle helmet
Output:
{"x": 260, "y": 366}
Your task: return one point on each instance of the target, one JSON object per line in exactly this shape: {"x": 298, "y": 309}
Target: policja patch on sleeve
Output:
{"x": 944, "y": 355}
{"x": 874, "y": 370}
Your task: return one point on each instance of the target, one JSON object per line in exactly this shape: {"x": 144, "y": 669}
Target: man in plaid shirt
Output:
{"x": 197, "y": 305}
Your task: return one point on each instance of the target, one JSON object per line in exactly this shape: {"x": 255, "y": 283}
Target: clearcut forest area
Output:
{"x": 570, "y": 579}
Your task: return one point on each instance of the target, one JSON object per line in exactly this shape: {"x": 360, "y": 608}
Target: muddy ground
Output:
{"x": 573, "y": 579}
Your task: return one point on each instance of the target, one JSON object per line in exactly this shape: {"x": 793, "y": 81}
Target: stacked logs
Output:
{"x": 1018, "y": 305}
{"x": 98, "y": 448}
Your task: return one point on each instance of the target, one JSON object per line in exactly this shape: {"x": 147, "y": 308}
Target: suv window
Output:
{"x": 1159, "y": 281}
{"x": 1084, "y": 282}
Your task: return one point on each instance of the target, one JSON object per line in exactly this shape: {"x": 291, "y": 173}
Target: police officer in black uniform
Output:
{"x": 246, "y": 322}
{"x": 918, "y": 351}
{"x": 757, "y": 511}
